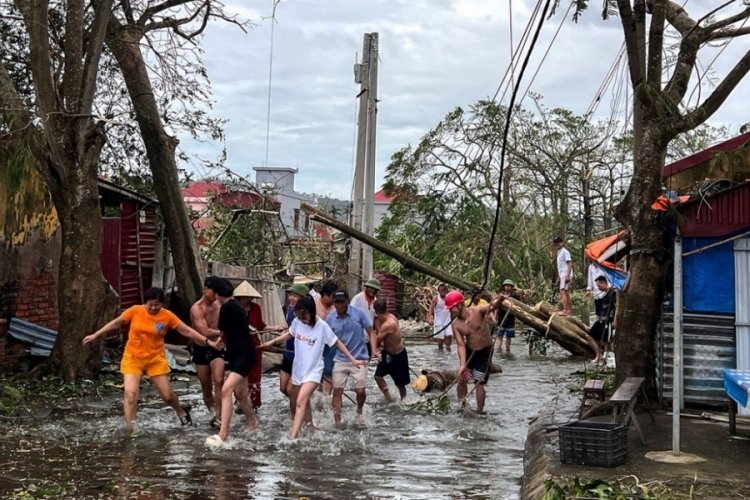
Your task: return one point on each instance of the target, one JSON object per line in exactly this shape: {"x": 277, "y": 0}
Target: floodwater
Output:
{"x": 82, "y": 452}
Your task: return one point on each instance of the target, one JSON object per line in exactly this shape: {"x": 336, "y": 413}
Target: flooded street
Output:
{"x": 396, "y": 453}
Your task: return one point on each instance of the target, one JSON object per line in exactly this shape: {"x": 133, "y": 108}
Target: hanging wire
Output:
{"x": 270, "y": 79}
{"x": 509, "y": 114}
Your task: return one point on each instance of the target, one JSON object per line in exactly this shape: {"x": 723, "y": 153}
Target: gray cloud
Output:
{"x": 434, "y": 56}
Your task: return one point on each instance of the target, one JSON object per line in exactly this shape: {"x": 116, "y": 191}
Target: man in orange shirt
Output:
{"x": 144, "y": 352}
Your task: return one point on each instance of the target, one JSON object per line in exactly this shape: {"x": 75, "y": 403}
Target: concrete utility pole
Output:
{"x": 362, "y": 216}
{"x": 372, "y": 115}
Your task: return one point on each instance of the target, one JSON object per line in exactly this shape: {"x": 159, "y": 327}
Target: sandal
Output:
{"x": 214, "y": 422}
{"x": 185, "y": 420}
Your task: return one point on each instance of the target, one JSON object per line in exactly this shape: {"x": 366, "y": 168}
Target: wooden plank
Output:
{"x": 627, "y": 390}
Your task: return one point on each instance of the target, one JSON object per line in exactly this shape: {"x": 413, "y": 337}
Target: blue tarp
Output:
{"x": 737, "y": 385}
{"x": 708, "y": 277}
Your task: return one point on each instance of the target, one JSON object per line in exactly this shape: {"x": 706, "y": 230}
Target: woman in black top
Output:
{"x": 240, "y": 358}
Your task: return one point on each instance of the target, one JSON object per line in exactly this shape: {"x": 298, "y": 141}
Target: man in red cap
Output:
{"x": 473, "y": 343}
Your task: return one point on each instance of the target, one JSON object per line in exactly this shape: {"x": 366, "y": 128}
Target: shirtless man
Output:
{"x": 473, "y": 342}
{"x": 209, "y": 363}
{"x": 393, "y": 359}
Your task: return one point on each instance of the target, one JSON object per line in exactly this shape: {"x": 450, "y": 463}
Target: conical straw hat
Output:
{"x": 245, "y": 289}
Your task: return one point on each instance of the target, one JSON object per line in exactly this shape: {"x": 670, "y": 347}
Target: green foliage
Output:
{"x": 538, "y": 343}
{"x": 18, "y": 392}
{"x": 626, "y": 488}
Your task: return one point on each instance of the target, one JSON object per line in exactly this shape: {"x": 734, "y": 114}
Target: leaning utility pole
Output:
{"x": 362, "y": 216}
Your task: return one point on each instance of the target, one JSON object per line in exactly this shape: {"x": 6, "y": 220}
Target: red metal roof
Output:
{"x": 380, "y": 197}
{"x": 723, "y": 213}
{"x": 202, "y": 189}
{"x": 705, "y": 155}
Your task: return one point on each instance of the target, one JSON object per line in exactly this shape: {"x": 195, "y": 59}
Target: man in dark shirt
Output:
{"x": 506, "y": 320}
{"x": 602, "y": 329}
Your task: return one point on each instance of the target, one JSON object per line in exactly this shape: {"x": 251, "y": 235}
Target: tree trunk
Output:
{"x": 640, "y": 303}
{"x": 85, "y": 299}
{"x": 124, "y": 41}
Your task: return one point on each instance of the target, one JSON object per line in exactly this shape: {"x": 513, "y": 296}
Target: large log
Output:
{"x": 556, "y": 328}
{"x": 548, "y": 310}
{"x": 441, "y": 380}
{"x": 406, "y": 260}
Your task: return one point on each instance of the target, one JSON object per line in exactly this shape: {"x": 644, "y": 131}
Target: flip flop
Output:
{"x": 185, "y": 420}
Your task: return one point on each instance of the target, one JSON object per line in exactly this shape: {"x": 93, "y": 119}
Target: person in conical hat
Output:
{"x": 245, "y": 293}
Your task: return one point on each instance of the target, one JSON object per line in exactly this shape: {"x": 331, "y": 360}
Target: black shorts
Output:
{"x": 395, "y": 365}
{"x": 599, "y": 331}
{"x": 478, "y": 363}
{"x": 203, "y": 355}
{"x": 286, "y": 365}
{"x": 241, "y": 362}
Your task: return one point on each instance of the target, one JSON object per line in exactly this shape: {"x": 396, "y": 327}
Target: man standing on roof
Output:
{"x": 473, "y": 343}
{"x": 506, "y": 320}
{"x": 440, "y": 318}
{"x": 365, "y": 300}
{"x": 564, "y": 275}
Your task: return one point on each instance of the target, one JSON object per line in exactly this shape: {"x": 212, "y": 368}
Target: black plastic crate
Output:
{"x": 601, "y": 444}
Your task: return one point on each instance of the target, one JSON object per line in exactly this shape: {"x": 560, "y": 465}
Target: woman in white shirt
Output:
{"x": 311, "y": 335}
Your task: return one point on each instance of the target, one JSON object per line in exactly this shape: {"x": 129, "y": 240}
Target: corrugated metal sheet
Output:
{"x": 40, "y": 339}
{"x": 392, "y": 291}
{"x": 724, "y": 213}
{"x": 111, "y": 251}
{"x": 137, "y": 252}
{"x": 742, "y": 304}
{"x": 708, "y": 348}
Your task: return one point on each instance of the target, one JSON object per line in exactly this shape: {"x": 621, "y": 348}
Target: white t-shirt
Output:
{"x": 442, "y": 313}
{"x": 593, "y": 273}
{"x": 308, "y": 350}
{"x": 563, "y": 257}
{"x": 360, "y": 302}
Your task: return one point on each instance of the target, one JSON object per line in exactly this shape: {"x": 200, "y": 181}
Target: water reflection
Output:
{"x": 395, "y": 454}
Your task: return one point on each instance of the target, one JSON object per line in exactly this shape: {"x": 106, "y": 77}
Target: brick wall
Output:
{"x": 36, "y": 299}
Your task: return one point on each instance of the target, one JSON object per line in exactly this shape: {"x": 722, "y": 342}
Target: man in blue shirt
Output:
{"x": 347, "y": 323}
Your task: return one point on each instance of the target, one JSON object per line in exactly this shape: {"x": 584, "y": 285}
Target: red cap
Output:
{"x": 453, "y": 299}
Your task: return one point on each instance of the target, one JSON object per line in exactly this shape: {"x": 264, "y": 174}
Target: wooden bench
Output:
{"x": 624, "y": 400}
{"x": 593, "y": 396}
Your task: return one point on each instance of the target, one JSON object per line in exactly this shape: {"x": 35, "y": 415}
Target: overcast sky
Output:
{"x": 434, "y": 55}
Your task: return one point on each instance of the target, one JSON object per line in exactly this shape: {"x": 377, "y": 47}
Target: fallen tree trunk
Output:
{"x": 406, "y": 260}
{"x": 569, "y": 337}
{"x": 548, "y": 310}
{"x": 557, "y": 328}
{"x": 441, "y": 380}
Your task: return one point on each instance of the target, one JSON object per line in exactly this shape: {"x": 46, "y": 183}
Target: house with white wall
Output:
{"x": 278, "y": 182}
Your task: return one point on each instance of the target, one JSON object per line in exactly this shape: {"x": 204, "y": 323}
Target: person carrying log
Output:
{"x": 473, "y": 343}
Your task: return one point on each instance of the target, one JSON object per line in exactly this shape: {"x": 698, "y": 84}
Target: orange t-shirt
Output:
{"x": 146, "y": 334}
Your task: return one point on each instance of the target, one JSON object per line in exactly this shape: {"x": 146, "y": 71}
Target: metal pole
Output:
{"x": 361, "y": 72}
{"x": 372, "y": 114}
{"x": 677, "y": 353}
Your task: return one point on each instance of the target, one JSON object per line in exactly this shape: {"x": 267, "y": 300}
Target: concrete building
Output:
{"x": 278, "y": 182}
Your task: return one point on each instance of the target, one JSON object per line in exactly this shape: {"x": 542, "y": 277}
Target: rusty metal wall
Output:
{"x": 392, "y": 292}
{"x": 708, "y": 348}
{"x": 137, "y": 252}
